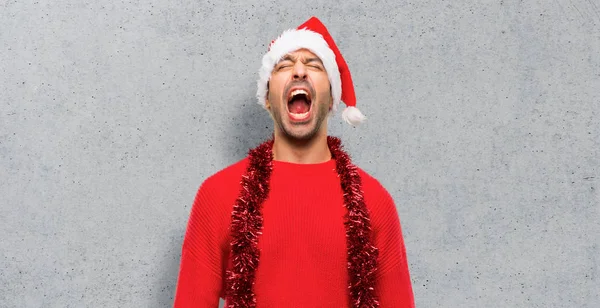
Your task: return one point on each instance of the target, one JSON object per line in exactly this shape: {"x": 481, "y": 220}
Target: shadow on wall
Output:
{"x": 250, "y": 125}
{"x": 247, "y": 127}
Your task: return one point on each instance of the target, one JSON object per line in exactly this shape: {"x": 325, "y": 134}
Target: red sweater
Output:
{"x": 303, "y": 245}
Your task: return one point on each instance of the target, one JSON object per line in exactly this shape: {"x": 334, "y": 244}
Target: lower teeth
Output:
{"x": 299, "y": 115}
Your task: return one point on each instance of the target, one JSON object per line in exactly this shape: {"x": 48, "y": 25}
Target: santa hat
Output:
{"x": 313, "y": 35}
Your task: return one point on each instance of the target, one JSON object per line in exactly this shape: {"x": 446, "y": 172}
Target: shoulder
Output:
{"x": 371, "y": 185}
{"x": 210, "y": 215}
{"x": 221, "y": 188}
{"x": 377, "y": 197}
{"x": 216, "y": 195}
{"x": 227, "y": 177}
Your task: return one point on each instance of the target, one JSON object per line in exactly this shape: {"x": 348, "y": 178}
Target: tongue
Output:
{"x": 298, "y": 105}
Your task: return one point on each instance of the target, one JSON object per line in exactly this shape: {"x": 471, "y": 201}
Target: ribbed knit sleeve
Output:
{"x": 204, "y": 251}
{"x": 393, "y": 284}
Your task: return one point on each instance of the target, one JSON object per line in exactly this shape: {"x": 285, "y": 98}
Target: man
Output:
{"x": 296, "y": 224}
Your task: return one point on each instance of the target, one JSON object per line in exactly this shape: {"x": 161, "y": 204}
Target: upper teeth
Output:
{"x": 296, "y": 92}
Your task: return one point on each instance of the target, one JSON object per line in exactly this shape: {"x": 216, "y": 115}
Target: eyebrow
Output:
{"x": 313, "y": 60}
{"x": 287, "y": 58}
{"x": 309, "y": 60}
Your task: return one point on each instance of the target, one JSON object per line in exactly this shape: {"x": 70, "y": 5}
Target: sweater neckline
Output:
{"x": 297, "y": 168}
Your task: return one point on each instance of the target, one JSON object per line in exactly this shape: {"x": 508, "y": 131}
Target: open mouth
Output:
{"x": 299, "y": 103}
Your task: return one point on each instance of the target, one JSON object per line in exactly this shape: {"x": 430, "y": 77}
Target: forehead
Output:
{"x": 301, "y": 54}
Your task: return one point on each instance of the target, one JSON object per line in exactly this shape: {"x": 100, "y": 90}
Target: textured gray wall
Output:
{"x": 483, "y": 124}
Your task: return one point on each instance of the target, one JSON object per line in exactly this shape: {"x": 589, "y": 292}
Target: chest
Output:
{"x": 304, "y": 224}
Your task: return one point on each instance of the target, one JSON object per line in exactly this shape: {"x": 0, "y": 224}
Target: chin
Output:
{"x": 299, "y": 135}
{"x": 305, "y": 132}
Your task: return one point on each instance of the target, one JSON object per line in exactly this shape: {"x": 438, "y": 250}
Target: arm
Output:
{"x": 201, "y": 270}
{"x": 393, "y": 284}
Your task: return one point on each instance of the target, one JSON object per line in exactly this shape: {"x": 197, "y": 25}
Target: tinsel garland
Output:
{"x": 247, "y": 222}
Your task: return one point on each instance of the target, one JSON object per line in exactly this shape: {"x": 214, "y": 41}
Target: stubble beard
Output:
{"x": 288, "y": 130}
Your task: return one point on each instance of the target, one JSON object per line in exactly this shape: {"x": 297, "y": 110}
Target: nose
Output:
{"x": 299, "y": 71}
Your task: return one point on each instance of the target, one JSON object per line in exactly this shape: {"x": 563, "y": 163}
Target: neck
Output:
{"x": 312, "y": 151}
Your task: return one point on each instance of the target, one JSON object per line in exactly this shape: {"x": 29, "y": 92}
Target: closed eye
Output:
{"x": 284, "y": 65}
{"x": 314, "y": 63}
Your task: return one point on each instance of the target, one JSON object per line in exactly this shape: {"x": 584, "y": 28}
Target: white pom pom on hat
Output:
{"x": 313, "y": 35}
